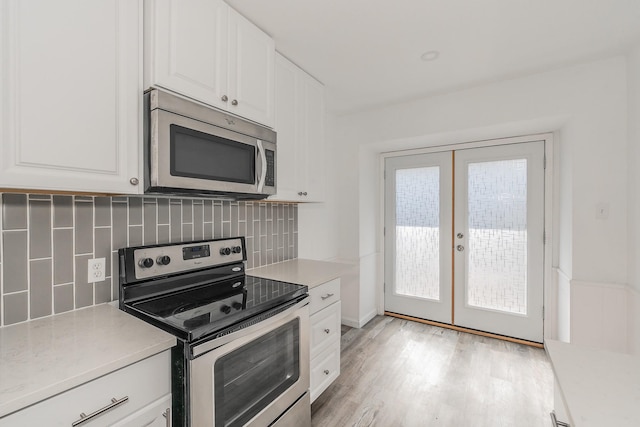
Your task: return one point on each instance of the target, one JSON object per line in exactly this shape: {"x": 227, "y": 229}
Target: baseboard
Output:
{"x": 353, "y": 323}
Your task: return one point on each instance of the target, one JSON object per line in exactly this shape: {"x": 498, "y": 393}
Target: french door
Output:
{"x": 464, "y": 238}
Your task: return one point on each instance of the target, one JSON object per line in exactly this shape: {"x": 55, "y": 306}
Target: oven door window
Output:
{"x": 196, "y": 154}
{"x": 249, "y": 378}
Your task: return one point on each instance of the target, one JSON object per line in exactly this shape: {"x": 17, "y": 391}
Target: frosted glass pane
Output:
{"x": 497, "y": 241}
{"x": 418, "y": 232}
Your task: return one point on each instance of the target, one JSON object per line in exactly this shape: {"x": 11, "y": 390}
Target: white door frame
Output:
{"x": 550, "y": 192}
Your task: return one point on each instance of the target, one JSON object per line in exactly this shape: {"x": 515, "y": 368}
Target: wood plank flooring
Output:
{"x": 396, "y": 372}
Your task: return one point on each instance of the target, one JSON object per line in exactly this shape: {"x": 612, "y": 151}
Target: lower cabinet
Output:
{"x": 325, "y": 336}
{"x": 136, "y": 395}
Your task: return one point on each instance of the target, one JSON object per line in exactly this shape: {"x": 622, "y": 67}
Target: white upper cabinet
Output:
{"x": 300, "y": 115}
{"x": 205, "y": 50}
{"x": 71, "y": 95}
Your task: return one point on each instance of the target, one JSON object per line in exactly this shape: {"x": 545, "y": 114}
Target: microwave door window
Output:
{"x": 196, "y": 154}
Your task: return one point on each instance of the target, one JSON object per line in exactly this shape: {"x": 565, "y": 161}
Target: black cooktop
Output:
{"x": 196, "y": 312}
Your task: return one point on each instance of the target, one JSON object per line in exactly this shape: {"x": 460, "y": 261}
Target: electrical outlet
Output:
{"x": 96, "y": 270}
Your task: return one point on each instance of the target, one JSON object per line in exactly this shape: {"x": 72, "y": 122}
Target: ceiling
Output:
{"x": 368, "y": 52}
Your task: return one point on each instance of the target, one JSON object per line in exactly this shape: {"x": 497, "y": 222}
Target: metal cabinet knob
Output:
{"x": 460, "y": 248}
{"x": 224, "y": 98}
{"x": 234, "y": 102}
{"x": 134, "y": 181}
{"x": 326, "y": 331}
{"x": 302, "y": 193}
{"x": 326, "y": 372}
{"x": 459, "y": 235}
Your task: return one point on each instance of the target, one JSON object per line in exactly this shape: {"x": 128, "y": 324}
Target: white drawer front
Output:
{"x": 324, "y": 295}
{"x": 325, "y": 328}
{"x": 325, "y": 368}
{"x": 142, "y": 382}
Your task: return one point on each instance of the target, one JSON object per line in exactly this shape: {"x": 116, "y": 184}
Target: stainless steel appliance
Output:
{"x": 191, "y": 148}
{"x": 242, "y": 357}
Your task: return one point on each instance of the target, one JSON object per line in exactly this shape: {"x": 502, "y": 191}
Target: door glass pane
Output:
{"x": 497, "y": 241}
{"x": 417, "y": 267}
{"x": 251, "y": 377}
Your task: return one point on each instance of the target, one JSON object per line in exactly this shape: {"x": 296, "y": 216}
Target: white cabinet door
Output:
{"x": 300, "y": 125}
{"x": 186, "y": 48}
{"x": 71, "y": 113}
{"x": 251, "y": 71}
{"x": 205, "y": 50}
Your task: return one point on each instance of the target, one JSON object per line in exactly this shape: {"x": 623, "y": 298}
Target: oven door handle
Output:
{"x": 263, "y": 161}
{"x": 200, "y": 349}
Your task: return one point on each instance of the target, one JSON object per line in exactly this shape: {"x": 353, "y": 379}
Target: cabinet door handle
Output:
{"x": 167, "y": 415}
{"x": 324, "y": 297}
{"x": 555, "y": 422}
{"x": 85, "y": 418}
{"x": 326, "y": 331}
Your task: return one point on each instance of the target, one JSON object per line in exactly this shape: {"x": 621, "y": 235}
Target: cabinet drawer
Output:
{"x": 325, "y": 328}
{"x": 325, "y": 368}
{"x": 324, "y": 295}
{"x": 141, "y": 382}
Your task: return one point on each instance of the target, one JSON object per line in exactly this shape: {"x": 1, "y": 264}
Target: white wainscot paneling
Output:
{"x": 599, "y": 315}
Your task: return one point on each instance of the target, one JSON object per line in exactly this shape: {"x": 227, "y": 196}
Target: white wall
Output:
{"x": 633, "y": 77}
{"x": 586, "y": 105}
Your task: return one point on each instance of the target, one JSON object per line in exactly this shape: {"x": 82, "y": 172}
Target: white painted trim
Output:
{"x": 361, "y": 322}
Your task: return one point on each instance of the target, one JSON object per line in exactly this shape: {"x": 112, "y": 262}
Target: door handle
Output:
{"x": 263, "y": 160}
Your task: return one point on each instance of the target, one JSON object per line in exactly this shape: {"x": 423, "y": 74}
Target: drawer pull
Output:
{"x": 167, "y": 415}
{"x": 326, "y": 372}
{"x": 555, "y": 422}
{"x": 324, "y": 297}
{"x": 326, "y": 331}
{"x": 85, "y": 418}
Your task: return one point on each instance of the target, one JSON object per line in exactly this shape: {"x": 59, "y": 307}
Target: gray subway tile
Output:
{"x": 249, "y": 221}
{"x": 164, "y": 235}
{"x": 163, "y": 211}
{"x": 120, "y": 199}
{"x": 187, "y": 232}
{"x": 187, "y": 211}
{"x": 16, "y": 308}
{"x": 208, "y": 230}
{"x": 14, "y": 211}
{"x": 226, "y": 211}
{"x": 198, "y": 221}
{"x": 84, "y": 227}
{"x": 208, "y": 211}
{"x": 62, "y": 211}
{"x": 150, "y": 224}
{"x": 226, "y": 229}
{"x": 135, "y": 211}
{"x": 135, "y": 235}
{"x": 119, "y": 229}
{"x": 39, "y": 229}
{"x": 115, "y": 276}
{"x": 176, "y": 222}
{"x": 102, "y": 291}
{"x": 269, "y": 235}
{"x": 83, "y": 289}
{"x": 15, "y": 261}
{"x": 103, "y": 246}
{"x": 40, "y": 288}
{"x": 242, "y": 228}
{"x": 102, "y": 211}
{"x": 84, "y": 198}
{"x": 62, "y": 256}
{"x": 39, "y": 197}
{"x": 242, "y": 211}
{"x": 62, "y": 298}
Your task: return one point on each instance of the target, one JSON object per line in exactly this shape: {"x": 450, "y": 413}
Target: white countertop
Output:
{"x": 600, "y": 388}
{"x": 302, "y": 271}
{"x": 44, "y": 357}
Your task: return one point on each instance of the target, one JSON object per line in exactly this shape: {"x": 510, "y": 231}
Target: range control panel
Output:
{"x": 160, "y": 260}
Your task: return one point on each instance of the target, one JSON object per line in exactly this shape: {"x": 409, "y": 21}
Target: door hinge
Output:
{"x": 544, "y": 237}
{"x": 544, "y": 162}
{"x": 384, "y": 231}
{"x": 384, "y": 174}
{"x": 542, "y": 312}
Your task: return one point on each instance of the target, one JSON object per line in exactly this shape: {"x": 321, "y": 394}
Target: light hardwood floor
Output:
{"x": 396, "y": 372}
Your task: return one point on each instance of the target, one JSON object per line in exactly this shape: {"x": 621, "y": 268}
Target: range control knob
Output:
{"x": 225, "y": 309}
{"x": 237, "y": 305}
{"x": 146, "y": 263}
{"x": 163, "y": 260}
{"x": 237, "y": 249}
{"x": 225, "y": 251}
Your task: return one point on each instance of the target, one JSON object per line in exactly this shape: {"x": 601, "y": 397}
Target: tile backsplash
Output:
{"x": 46, "y": 240}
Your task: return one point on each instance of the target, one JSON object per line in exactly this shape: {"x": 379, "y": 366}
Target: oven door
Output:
{"x": 255, "y": 378}
{"x": 187, "y": 154}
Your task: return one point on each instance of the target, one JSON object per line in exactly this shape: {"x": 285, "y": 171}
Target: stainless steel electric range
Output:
{"x": 243, "y": 343}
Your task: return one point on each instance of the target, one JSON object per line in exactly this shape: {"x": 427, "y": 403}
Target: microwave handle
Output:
{"x": 263, "y": 170}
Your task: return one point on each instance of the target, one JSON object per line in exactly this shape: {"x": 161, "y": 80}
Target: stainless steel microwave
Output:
{"x": 193, "y": 149}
